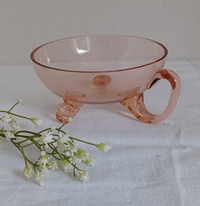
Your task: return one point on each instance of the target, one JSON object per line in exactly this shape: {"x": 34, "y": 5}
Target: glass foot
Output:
{"x": 67, "y": 109}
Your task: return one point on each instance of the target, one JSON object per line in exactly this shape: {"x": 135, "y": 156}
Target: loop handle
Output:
{"x": 136, "y": 104}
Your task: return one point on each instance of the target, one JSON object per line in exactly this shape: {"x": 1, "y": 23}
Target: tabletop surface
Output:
{"x": 149, "y": 164}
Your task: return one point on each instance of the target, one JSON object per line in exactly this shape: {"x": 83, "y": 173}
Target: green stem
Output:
{"x": 59, "y": 129}
{"x": 36, "y": 144}
{"x": 55, "y": 157}
{"x": 54, "y": 151}
{"x": 28, "y": 132}
{"x": 67, "y": 158}
{"x": 35, "y": 165}
{"x": 12, "y": 107}
{"x": 44, "y": 130}
{"x": 31, "y": 162}
{"x": 23, "y": 136}
{"x": 27, "y": 145}
{"x": 52, "y": 146}
{"x": 21, "y": 150}
{"x": 73, "y": 138}
{"x": 27, "y": 138}
{"x": 17, "y": 115}
{"x": 74, "y": 172}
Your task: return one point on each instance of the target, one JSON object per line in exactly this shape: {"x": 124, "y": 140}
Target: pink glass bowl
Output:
{"x": 104, "y": 69}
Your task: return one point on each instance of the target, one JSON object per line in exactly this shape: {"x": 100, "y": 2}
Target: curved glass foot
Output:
{"x": 67, "y": 109}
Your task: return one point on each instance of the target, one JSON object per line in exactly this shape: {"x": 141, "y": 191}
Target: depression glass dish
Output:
{"x": 104, "y": 69}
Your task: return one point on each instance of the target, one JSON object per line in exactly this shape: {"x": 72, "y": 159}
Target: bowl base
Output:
{"x": 66, "y": 110}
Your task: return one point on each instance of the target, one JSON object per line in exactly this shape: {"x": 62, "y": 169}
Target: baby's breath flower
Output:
{"x": 89, "y": 161}
{"x": 62, "y": 144}
{"x": 67, "y": 153}
{"x": 63, "y": 138}
{"x": 6, "y": 119}
{"x": 20, "y": 101}
{"x": 14, "y": 125}
{"x": 36, "y": 121}
{"x": 53, "y": 129}
{"x": 40, "y": 177}
{"x": 61, "y": 147}
{"x": 60, "y": 134}
{"x": 9, "y": 135}
{"x": 28, "y": 172}
{"x": 44, "y": 158}
{"x": 52, "y": 165}
{"x": 76, "y": 160}
{"x": 103, "y": 147}
{"x": 67, "y": 167}
{"x": 70, "y": 119}
{"x": 72, "y": 147}
{"x": 82, "y": 154}
{"x": 42, "y": 153}
{"x": 46, "y": 138}
{"x": 44, "y": 170}
{"x": 83, "y": 176}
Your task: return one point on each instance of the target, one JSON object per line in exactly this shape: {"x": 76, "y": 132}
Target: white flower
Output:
{"x": 83, "y": 176}
{"x": 44, "y": 158}
{"x": 44, "y": 170}
{"x": 53, "y": 129}
{"x": 36, "y": 121}
{"x": 60, "y": 134}
{"x": 20, "y": 100}
{"x": 63, "y": 138}
{"x": 52, "y": 165}
{"x": 9, "y": 135}
{"x": 67, "y": 153}
{"x": 14, "y": 125}
{"x": 62, "y": 143}
{"x": 40, "y": 177}
{"x": 46, "y": 138}
{"x": 6, "y": 119}
{"x": 28, "y": 172}
{"x": 61, "y": 148}
{"x": 82, "y": 154}
{"x": 76, "y": 160}
{"x": 104, "y": 147}
{"x": 67, "y": 166}
{"x": 72, "y": 147}
{"x": 43, "y": 153}
{"x": 89, "y": 161}
{"x": 70, "y": 119}
{"x": 41, "y": 174}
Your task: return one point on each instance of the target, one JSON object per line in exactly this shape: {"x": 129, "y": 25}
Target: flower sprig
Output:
{"x": 56, "y": 149}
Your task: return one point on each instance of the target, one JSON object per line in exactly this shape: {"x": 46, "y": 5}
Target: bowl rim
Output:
{"x": 106, "y": 71}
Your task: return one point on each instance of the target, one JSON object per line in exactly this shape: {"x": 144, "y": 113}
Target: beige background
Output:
{"x": 25, "y": 24}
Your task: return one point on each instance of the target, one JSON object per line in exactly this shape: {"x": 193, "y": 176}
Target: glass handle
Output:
{"x": 136, "y": 104}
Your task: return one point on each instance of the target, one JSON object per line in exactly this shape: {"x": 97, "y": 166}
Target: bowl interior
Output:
{"x": 99, "y": 53}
